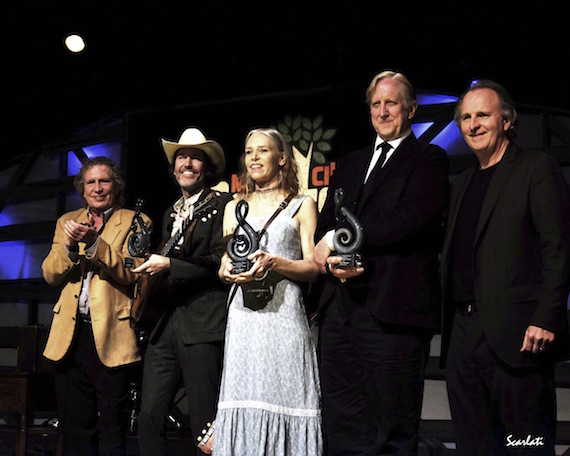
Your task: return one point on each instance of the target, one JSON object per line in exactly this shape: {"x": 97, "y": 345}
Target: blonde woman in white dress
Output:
{"x": 270, "y": 396}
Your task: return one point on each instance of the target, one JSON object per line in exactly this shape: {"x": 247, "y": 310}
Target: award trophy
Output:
{"x": 241, "y": 245}
{"x": 348, "y": 237}
{"x": 139, "y": 241}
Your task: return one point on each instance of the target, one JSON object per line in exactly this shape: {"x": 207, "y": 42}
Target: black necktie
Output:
{"x": 385, "y": 148}
{"x": 378, "y": 166}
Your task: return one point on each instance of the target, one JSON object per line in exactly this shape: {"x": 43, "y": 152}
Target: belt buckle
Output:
{"x": 470, "y": 308}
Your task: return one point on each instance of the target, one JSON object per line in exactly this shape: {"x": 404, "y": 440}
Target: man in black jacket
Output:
{"x": 376, "y": 321}
{"x": 505, "y": 279}
{"x": 187, "y": 339}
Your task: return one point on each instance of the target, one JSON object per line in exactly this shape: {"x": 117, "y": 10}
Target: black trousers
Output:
{"x": 166, "y": 363}
{"x": 497, "y": 410}
{"x": 93, "y": 400}
{"x": 372, "y": 378}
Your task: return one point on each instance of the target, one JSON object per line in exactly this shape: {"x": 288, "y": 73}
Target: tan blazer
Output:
{"x": 110, "y": 291}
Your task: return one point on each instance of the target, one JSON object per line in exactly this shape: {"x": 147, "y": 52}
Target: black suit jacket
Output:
{"x": 521, "y": 253}
{"x": 191, "y": 291}
{"x": 400, "y": 209}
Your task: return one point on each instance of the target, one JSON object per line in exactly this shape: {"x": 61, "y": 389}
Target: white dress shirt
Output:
{"x": 375, "y": 156}
{"x": 183, "y": 208}
{"x": 84, "y": 303}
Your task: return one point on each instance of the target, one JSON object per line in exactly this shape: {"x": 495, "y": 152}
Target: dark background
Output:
{"x": 157, "y": 55}
{"x": 228, "y": 122}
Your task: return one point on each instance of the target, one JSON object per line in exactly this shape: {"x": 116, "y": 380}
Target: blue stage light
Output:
{"x": 421, "y": 127}
{"x": 424, "y": 99}
{"x": 110, "y": 150}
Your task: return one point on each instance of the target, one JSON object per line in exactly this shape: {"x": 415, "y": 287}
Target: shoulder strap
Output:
{"x": 295, "y": 205}
{"x": 282, "y": 206}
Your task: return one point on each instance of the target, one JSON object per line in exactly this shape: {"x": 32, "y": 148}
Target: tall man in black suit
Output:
{"x": 505, "y": 277}
{"x": 376, "y": 321}
{"x": 187, "y": 340}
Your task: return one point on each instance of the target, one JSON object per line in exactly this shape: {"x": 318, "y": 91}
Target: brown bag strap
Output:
{"x": 282, "y": 206}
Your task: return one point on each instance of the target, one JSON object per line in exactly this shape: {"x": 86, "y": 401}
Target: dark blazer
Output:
{"x": 521, "y": 253}
{"x": 191, "y": 291}
{"x": 400, "y": 209}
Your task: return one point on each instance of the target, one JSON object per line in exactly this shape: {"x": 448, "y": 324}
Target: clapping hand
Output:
{"x": 79, "y": 232}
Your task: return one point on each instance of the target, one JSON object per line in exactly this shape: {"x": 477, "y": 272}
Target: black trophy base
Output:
{"x": 350, "y": 260}
{"x": 241, "y": 266}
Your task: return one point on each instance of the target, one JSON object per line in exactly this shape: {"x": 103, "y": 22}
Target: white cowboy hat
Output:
{"x": 194, "y": 138}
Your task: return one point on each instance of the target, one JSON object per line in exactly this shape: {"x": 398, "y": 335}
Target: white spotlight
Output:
{"x": 74, "y": 43}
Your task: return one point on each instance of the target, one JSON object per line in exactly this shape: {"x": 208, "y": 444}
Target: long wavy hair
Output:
{"x": 288, "y": 173}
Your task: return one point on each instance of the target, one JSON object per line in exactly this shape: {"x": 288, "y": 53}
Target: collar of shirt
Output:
{"x": 182, "y": 206}
{"x": 182, "y": 210}
{"x": 376, "y": 152}
{"x": 394, "y": 143}
{"x": 105, "y": 216}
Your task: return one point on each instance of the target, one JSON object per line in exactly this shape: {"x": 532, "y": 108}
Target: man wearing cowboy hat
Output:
{"x": 186, "y": 342}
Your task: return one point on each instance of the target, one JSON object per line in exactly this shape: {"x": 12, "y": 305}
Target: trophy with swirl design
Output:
{"x": 139, "y": 241}
{"x": 349, "y": 236}
{"x": 244, "y": 241}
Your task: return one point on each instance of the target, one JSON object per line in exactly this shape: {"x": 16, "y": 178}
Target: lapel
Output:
{"x": 205, "y": 193}
{"x": 454, "y": 206}
{"x": 495, "y": 187}
{"x": 379, "y": 175}
{"x": 353, "y": 184}
{"x": 112, "y": 227}
{"x": 189, "y": 233}
{"x": 83, "y": 216}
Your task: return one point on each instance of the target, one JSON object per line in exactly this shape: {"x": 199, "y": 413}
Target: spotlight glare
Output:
{"x": 74, "y": 43}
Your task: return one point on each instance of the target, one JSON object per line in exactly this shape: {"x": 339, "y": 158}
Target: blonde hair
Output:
{"x": 409, "y": 91}
{"x": 288, "y": 178}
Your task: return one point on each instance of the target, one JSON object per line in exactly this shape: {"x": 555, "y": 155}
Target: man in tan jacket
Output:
{"x": 91, "y": 340}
